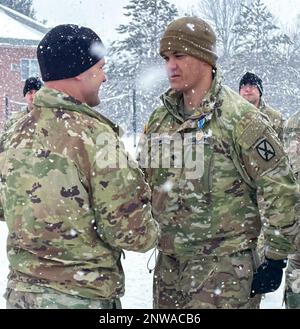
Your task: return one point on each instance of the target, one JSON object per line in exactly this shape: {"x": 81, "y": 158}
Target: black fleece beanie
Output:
{"x": 32, "y": 83}
{"x": 68, "y": 50}
{"x": 253, "y": 80}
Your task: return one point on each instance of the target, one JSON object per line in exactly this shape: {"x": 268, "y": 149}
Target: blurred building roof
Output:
{"x": 18, "y": 29}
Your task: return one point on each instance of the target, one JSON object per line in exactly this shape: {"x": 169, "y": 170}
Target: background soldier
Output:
{"x": 251, "y": 88}
{"x": 69, "y": 213}
{"x": 31, "y": 86}
{"x": 292, "y": 143}
{"x": 210, "y": 222}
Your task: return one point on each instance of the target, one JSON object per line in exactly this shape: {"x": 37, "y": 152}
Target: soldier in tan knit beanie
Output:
{"x": 210, "y": 219}
{"x": 189, "y": 48}
{"x": 192, "y": 36}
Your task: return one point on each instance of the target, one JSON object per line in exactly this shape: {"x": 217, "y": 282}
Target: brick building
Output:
{"x": 19, "y": 37}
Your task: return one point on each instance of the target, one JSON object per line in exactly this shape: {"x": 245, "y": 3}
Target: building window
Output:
{"x": 29, "y": 68}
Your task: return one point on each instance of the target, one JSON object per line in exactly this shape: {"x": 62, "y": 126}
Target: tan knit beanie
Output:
{"x": 191, "y": 36}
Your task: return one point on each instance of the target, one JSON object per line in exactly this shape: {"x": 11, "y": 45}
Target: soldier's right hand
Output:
{"x": 268, "y": 276}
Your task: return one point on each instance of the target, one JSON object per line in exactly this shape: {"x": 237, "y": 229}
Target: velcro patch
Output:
{"x": 252, "y": 132}
{"x": 265, "y": 150}
{"x": 261, "y": 149}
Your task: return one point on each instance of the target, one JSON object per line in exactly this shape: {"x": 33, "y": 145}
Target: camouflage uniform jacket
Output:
{"x": 15, "y": 118}
{"x": 275, "y": 117}
{"x": 292, "y": 142}
{"x": 69, "y": 217}
{"x": 217, "y": 213}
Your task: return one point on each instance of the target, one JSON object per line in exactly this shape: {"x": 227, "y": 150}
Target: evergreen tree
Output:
{"x": 261, "y": 48}
{"x": 22, "y": 6}
{"x": 135, "y": 69}
{"x": 257, "y": 39}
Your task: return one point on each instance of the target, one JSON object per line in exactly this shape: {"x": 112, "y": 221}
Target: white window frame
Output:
{"x": 29, "y": 68}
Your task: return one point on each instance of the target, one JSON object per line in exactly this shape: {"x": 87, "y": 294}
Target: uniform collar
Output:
{"x": 52, "y": 98}
{"x": 261, "y": 105}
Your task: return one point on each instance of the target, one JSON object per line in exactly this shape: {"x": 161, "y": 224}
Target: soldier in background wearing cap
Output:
{"x": 69, "y": 207}
{"x": 251, "y": 88}
{"x": 31, "y": 86}
{"x": 210, "y": 222}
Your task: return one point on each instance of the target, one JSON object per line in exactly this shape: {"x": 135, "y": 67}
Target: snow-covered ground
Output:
{"x": 138, "y": 293}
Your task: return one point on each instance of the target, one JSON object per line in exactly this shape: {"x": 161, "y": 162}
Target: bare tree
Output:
{"x": 294, "y": 48}
{"x": 223, "y": 15}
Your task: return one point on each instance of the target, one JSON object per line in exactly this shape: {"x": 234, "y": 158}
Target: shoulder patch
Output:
{"x": 260, "y": 145}
{"x": 265, "y": 150}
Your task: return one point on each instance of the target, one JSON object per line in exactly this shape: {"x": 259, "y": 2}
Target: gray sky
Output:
{"x": 105, "y": 15}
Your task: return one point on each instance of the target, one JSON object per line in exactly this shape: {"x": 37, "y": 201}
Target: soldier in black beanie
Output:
{"x": 67, "y": 56}
{"x": 68, "y": 50}
{"x": 31, "y": 86}
{"x": 81, "y": 205}
{"x": 251, "y": 88}
{"x": 32, "y": 83}
{"x": 252, "y": 79}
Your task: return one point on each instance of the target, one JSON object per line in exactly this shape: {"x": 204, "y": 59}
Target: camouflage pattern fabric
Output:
{"x": 203, "y": 282}
{"x": 216, "y": 213}
{"x": 292, "y": 282}
{"x": 14, "y": 119}
{"x": 52, "y": 299}
{"x": 292, "y": 143}
{"x": 275, "y": 117}
{"x": 69, "y": 216}
{"x": 277, "y": 123}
